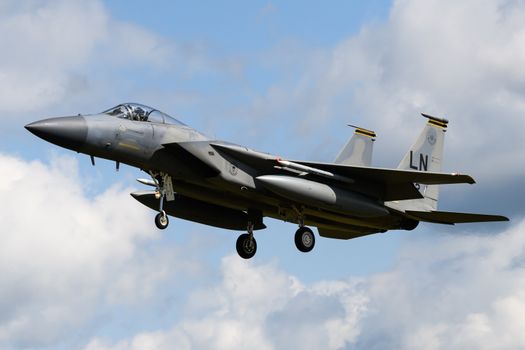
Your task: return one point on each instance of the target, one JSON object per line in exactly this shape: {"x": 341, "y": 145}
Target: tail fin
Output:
{"x": 426, "y": 154}
{"x": 358, "y": 150}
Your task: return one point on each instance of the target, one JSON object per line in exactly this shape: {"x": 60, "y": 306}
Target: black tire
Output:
{"x": 246, "y": 246}
{"x": 304, "y": 239}
{"x": 161, "y": 221}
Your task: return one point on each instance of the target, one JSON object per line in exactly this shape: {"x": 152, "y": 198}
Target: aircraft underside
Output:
{"x": 227, "y": 210}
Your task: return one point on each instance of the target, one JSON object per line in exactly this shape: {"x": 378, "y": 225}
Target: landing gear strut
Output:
{"x": 246, "y": 244}
{"x": 164, "y": 192}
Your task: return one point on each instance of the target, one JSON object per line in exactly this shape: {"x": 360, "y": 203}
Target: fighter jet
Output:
{"x": 226, "y": 185}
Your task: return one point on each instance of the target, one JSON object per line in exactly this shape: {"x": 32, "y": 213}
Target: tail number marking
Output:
{"x": 423, "y": 162}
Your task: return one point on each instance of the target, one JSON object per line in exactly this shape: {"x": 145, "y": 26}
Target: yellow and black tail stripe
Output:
{"x": 363, "y": 131}
{"x": 435, "y": 123}
{"x": 439, "y": 122}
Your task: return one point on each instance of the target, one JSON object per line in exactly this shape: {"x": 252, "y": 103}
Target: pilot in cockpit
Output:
{"x": 138, "y": 114}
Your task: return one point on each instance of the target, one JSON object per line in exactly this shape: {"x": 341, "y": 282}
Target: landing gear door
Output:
{"x": 168, "y": 188}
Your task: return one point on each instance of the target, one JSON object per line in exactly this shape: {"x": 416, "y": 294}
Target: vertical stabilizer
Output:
{"x": 358, "y": 150}
{"x": 426, "y": 154}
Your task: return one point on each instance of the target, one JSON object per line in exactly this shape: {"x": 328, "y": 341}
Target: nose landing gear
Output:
{"x": 161, "y": 220}
{"x": 164, "y": 192}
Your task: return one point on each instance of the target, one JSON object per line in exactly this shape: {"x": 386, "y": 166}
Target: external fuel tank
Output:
{"x": 323, "y": 195}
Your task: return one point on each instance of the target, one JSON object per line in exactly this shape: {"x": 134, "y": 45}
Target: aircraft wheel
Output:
{"x": 304, "y": 239}
{"x": 161, "y": 220}
{"x": 246, "y": 246}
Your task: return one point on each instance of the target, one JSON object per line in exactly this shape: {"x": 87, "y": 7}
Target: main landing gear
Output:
{"x": 304, "y": 239}
{"x": 247, "y": 245}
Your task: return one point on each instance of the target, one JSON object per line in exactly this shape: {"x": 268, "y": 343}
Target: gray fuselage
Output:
{"x": 202, "y": 172}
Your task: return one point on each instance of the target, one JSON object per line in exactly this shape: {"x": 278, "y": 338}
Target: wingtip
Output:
{"x": 498, "y": 218}
{"x": 468, "y": 179}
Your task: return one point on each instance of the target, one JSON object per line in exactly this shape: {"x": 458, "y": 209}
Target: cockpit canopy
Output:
{"x": 138, "y": 112}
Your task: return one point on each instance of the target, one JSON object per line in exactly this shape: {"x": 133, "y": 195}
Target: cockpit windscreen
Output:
{"x": 138, "y": 112}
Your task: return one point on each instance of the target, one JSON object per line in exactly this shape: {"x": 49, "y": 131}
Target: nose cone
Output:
{"x": 68, "y": 132}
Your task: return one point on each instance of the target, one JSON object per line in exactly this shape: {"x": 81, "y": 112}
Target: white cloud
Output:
{"x": 54, "y": 50}
{"x": 460, "y": 60}
{"x": 45, "y": 41}
{"x": 65, "y": 257}
{"x": 449, "y": 291}
{"x": 257, "y": 307}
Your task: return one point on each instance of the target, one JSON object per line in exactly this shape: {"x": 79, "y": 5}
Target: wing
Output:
{"x": 390, "y": 184}
{"x": 451, "y": 218}
{"x": 392, "y": 175}
{"x": 384, "y": 184}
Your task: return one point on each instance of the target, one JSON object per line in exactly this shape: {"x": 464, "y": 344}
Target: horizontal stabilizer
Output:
{"x": 451, "y": 218}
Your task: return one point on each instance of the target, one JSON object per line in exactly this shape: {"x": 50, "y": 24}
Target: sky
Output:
{"x": 83, "y": 266}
